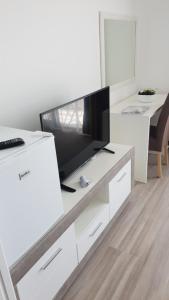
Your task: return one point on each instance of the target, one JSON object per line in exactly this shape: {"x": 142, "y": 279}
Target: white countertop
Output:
{"x": 153, "y": 103}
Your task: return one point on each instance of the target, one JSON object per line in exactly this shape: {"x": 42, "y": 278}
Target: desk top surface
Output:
{"x": 153, "y": 103}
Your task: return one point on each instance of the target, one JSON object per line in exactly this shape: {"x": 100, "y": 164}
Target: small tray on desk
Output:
{"x": 135, "y": 109}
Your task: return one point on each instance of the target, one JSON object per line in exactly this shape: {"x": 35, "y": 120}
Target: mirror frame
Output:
{"x": 108, "y": 16}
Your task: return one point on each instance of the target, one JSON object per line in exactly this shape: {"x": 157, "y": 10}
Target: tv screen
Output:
{"x": 80, "y": 128}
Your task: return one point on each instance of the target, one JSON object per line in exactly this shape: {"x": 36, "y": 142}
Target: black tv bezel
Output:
{"x": 67, "y": 103}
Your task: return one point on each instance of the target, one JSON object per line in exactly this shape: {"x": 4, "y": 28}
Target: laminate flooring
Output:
{"x": 132, "y": 262}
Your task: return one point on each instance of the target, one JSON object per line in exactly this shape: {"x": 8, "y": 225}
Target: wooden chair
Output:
{"x": 159, "y": 136}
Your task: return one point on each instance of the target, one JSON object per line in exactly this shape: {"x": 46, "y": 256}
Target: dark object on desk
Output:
{"x": 105, "y": 149}
{"x": 108, "y": 150}
{"x": 11, "y": 143}
{"x": 84, "y": 182}
{"x": 147, "y": 92}
{"x": 158, "y": 138}
{"x": 67, "y": 188}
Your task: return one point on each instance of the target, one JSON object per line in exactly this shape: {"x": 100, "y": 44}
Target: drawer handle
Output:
{"x": 96, "y": 229}
{"x": 45, "y": 266}
{"x": 122, "y": 176}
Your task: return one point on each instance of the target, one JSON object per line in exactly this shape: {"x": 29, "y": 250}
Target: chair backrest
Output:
{"x": 162, "y": 132}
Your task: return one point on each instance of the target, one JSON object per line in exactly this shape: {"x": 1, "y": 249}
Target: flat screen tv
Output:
{"x": 81, "y": 129}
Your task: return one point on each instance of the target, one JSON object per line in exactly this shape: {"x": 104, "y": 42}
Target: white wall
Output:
{"x": 49, "y": 54}
{"x": 153, "y": 44}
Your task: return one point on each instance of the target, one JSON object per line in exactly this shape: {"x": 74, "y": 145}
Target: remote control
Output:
{"x": 11, "y": 143}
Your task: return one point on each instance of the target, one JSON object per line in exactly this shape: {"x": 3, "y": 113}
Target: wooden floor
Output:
{"x": 133, "y": 261}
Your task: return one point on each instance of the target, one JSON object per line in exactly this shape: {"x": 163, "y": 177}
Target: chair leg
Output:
{"x": 159, "y": 168}
{"x": 166, "y": 155}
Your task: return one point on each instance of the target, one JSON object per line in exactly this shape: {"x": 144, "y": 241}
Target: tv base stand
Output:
{"x": 105, "y": 149}
{"x": 108, "y": 150}
{"x": 67, "y": 188}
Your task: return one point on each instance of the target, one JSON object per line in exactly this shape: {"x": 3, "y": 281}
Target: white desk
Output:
{"x": 133, "y": 129}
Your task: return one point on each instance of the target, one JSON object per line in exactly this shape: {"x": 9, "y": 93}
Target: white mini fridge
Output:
{"x": 30, "y": 195}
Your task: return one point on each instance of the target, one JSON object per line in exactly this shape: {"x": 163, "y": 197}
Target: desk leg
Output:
{"x": 132, "y": 130}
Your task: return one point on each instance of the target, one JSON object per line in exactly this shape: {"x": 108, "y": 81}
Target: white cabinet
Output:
{"x": 104, "y": 197}
{"x": 30, "y": 201}
{"x": 47, "y": 276}
{"x": 93, "y": 220}
{"x": 119, "y": 188}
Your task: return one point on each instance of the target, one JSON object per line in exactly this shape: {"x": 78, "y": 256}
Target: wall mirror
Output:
{"x": 118, "y": 49}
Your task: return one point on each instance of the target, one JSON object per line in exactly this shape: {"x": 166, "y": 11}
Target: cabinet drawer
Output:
{"x": 119, "y": 188}
{"x": 92, "y": 232}
{"x": 47, "y": 276}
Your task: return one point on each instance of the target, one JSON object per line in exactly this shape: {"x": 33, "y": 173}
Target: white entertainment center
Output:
{"x": 52, "y": 263}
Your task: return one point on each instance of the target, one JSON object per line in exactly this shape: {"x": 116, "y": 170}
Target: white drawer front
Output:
{"x": 91, "y": 233}
{"x": 47, "y": 276}
{"x": 119, "y": 188}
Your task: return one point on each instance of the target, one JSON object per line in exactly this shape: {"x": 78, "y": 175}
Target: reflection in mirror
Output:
{"x": 118, "y": 47}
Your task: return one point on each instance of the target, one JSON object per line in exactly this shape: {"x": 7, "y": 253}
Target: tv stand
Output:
{"x": 108, "y": 150}
{"x": 67, "y": 188}
{"x": 105, "y": 149}
{"x": 88, "y": 216}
